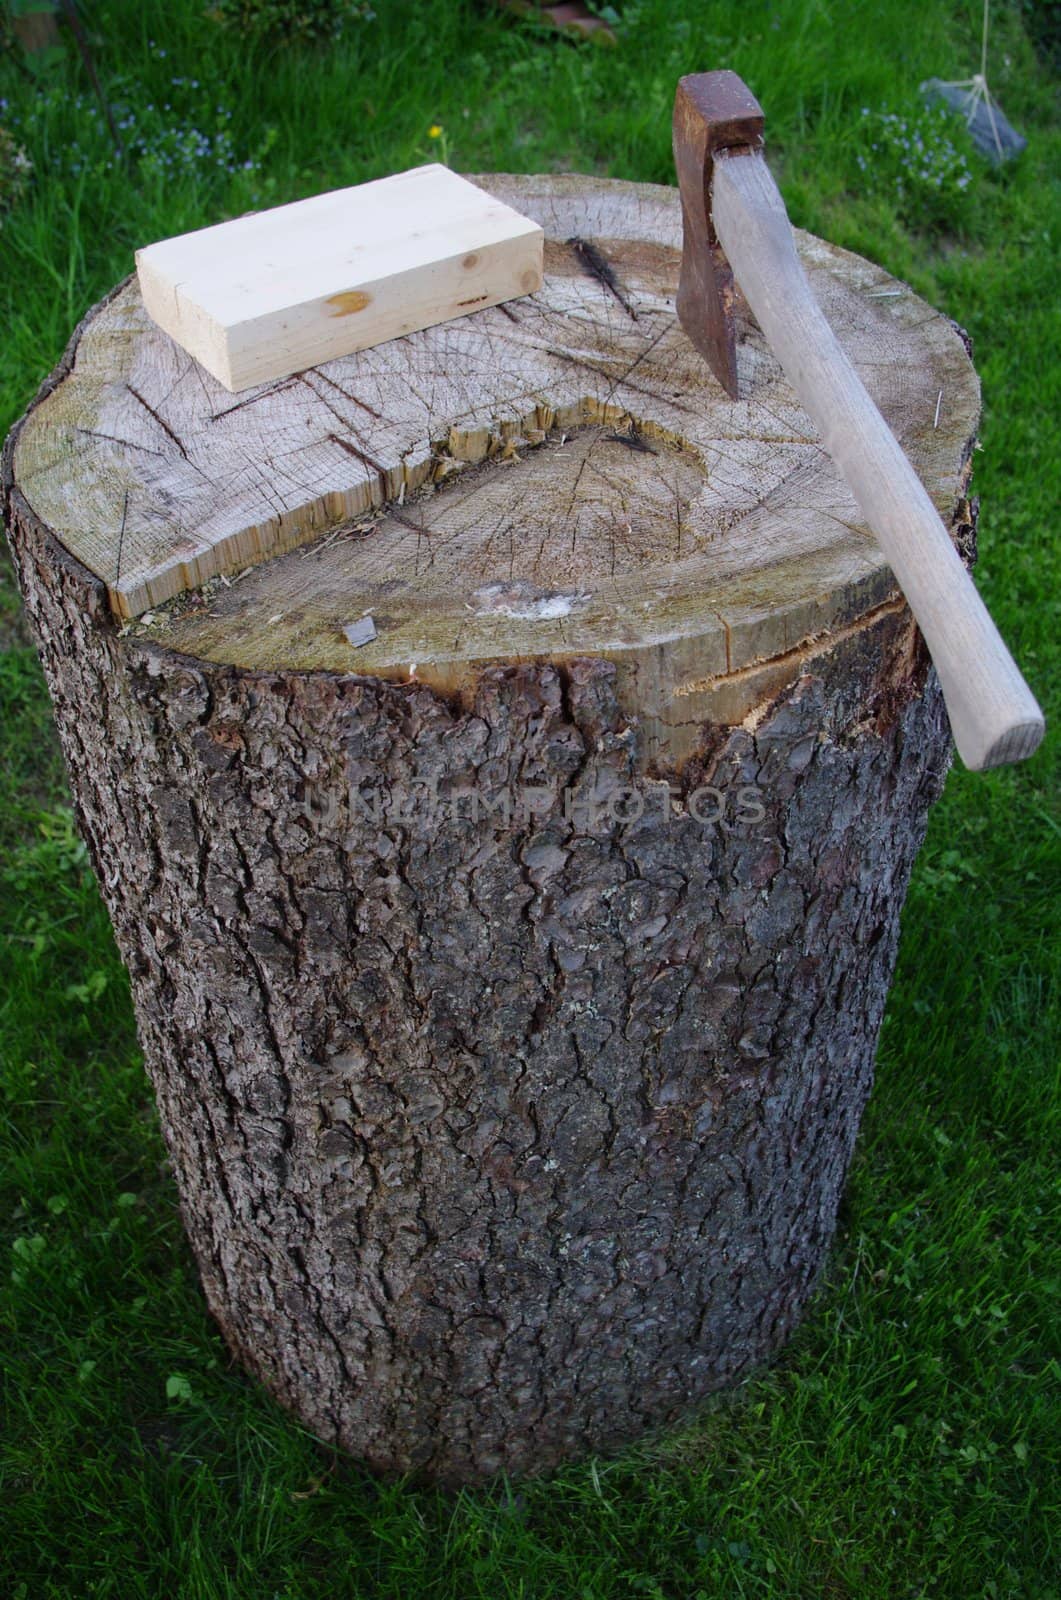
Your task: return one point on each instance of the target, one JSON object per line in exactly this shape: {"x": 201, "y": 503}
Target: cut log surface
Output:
{"x": 601, "y": 493}
{"x": 504, "y": 798}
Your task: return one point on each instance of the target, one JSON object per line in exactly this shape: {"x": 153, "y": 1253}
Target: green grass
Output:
{"x": 906, "y": 1444}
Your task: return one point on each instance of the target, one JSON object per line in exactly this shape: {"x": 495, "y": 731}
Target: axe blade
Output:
{"x": 713, "y": 111}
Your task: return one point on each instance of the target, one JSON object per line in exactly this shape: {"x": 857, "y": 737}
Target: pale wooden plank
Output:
{"x": 264, "y": 296}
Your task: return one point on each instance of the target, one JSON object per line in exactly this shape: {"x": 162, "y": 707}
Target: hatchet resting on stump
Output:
{"x": 736, "y": 227}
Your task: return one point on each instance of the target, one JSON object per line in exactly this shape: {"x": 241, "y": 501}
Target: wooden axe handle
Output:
{"x": 994, "y": 715}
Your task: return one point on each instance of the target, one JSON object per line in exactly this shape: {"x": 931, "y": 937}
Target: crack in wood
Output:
{"x": 163, "y": 424}
{"x": 595, "y": 264}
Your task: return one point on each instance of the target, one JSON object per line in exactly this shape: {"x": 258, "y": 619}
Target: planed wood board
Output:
{"x": 279, "y": 291}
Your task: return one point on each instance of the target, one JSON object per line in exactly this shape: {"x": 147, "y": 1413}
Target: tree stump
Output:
{"x": 503, "y": 758}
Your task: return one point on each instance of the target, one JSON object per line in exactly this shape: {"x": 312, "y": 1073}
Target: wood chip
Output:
{"x": 363, "y": 631}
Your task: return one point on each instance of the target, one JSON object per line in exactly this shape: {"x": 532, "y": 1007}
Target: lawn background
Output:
{"x": 906, "y": 1443}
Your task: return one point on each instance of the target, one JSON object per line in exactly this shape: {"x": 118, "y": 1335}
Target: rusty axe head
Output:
{"x": 713, "y": 111}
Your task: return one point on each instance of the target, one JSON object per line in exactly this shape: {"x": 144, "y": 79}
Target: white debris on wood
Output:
{"x": 526, "y": 603}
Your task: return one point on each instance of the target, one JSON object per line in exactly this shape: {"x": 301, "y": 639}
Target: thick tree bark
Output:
{"x": 510, "y": 1069}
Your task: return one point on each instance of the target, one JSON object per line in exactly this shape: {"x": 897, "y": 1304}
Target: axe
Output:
{"x": 735, "y": 227}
